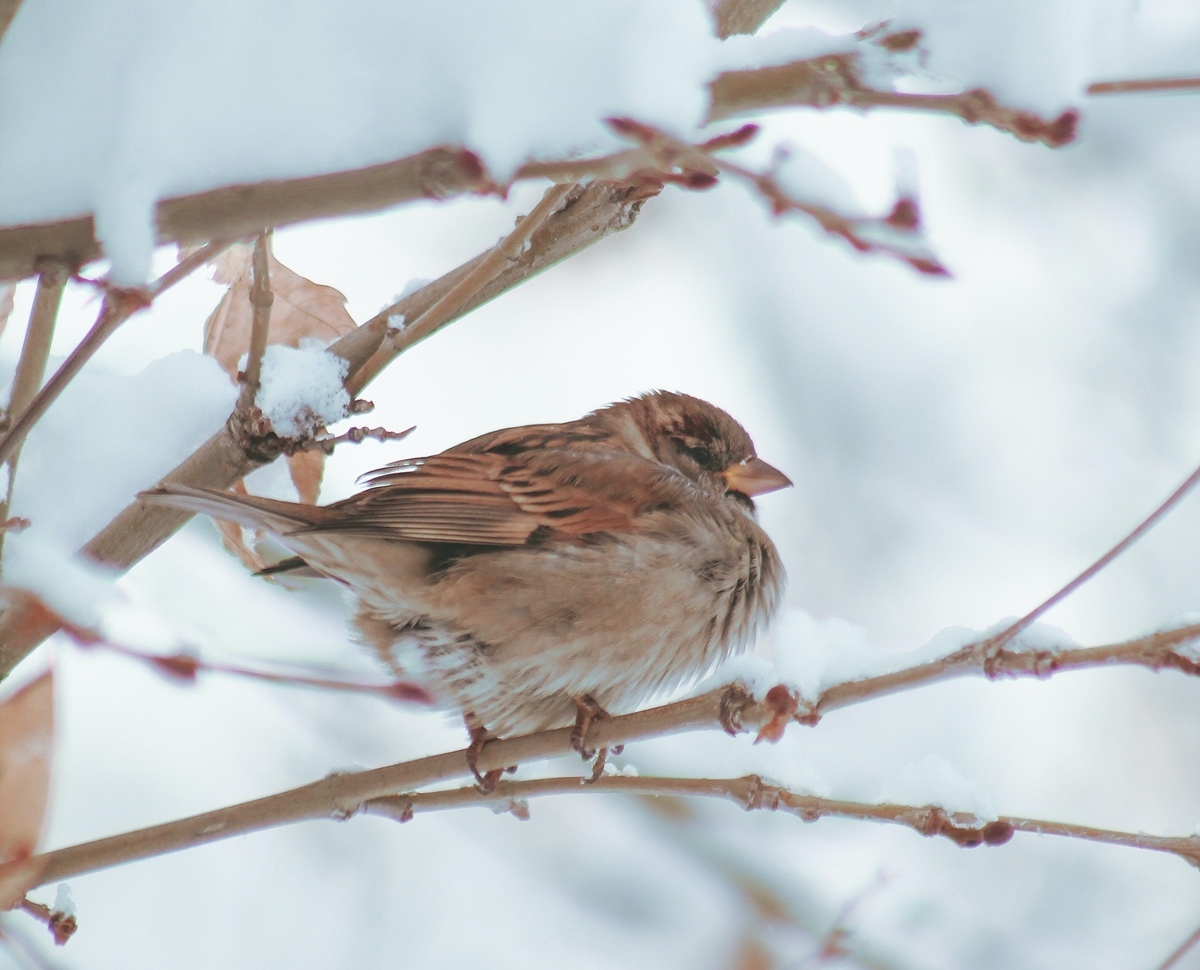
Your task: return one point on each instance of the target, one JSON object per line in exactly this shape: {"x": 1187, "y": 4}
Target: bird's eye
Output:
{"x": 700, "y": 455}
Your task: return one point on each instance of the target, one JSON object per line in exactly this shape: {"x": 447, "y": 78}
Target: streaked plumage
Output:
{"x": 610, "y": 558}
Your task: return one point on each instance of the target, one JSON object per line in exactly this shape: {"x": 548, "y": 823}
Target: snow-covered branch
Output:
{"x": 1163, "y": 650}
{"x": 837, "y": 79}
{"x": 731, "y": 708}
{"x": 587, "y": 215}
{"x": 244, "y": 210}
{"x": 119, "y": 304}
{"x": 444, "y": 171}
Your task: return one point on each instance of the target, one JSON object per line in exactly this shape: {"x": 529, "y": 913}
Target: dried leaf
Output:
{"x": 302, "y": 309}
{"x": 306, "y": 468}
{"x": 6, "y": 303}
{"x": 26, "y": 748}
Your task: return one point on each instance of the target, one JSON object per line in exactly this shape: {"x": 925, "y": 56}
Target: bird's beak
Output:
{"x": 754, "y": 477}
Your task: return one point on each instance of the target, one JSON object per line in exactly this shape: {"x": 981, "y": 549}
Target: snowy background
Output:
{"x": 960, "y": 449}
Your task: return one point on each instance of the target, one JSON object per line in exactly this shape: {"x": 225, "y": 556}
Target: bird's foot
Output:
{"x": 588, "y": 711}
{"x": 485, "y": 783}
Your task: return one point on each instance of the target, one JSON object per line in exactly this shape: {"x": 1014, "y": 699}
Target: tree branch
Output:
{"x": 465, "y": 291}
{"x": 35, "y": 353}
{"x": 730, "y": 708}
{"x": 751, "y": 792}
{"x": 836, "y": 79}
{"x": 119, "y": 305}
{"x": 226, "y": 457}
{"x": 589, "y": 214}
{"x": 261, "y": 298}
{"x": 1148, "y": 523}
{"x": 445, "y": 171}
{"x": 1180, "y": 952}
{"x": 1157, "y": 651}
{"x": 1149, "y": 84}
{"x": 341, "y": 795}
{"x": 244, "y": 210}
{"x": 62, "y": 926}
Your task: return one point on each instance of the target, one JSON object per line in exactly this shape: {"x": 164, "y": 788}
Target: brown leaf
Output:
{"x": 26, "y": 748}
{"x": 301, "y": 309}
{"x": 306, "y": 468}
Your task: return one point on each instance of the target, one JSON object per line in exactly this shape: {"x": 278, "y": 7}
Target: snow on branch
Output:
{"x": 897, "y": 234}
{"x": 850, "y": 71}
{"x": 733, "y": 708}
{"x": 120, "y": 303}
{"x": 585, "y": 215}
{"x": 244, "y": 209}
{"x": 839, "y": 79}
{"x": 1171, "y": 649}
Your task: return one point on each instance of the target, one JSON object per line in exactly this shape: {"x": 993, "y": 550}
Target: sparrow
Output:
{"x": 545, "y": 574}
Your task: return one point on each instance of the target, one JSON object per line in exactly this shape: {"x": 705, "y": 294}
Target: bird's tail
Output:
{"x": 248, "y": 510}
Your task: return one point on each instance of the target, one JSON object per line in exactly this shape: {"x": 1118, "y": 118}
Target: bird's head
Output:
{"x": 703, "y": 442}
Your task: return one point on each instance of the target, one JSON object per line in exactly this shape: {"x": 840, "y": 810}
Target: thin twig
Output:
{"x": 445, "y": 171}
{"x": 354, "y": 436}
{"x": 833, "y": 943}
{"x": 35, "y": 352}
{"x": 185, "y": 667}
{"x": 242, "y": 210}
{"x": 837, "y": 79}
{"x": 1000, "y": 639}
{"x": 261, "y": 298}
{"x": 31, "y": 368}
{"x": 729, "y": 708}
{"x": 1156, "y": 651}
{"x": 752, "y": 792}
{"x": 1181, "y": 952}
{"x": 1148, "y": 84}
{"x": 340, "y": 796}
{"x": 669, "y": 159}
{"x": 119, "y": 304}
{"x": 589, "y": 214}
{"x": 62, "y": 926}
{"x": 450, "y": 305}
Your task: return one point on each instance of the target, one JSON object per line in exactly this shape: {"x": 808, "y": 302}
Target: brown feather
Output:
{"x": 525, "y": 568}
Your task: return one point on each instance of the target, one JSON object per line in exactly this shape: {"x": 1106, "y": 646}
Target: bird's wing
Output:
{"x": 575, "y": 436}
{"x": 501, "y": 500}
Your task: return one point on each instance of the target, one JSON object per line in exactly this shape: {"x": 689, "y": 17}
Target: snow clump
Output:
{"x": 301, "y": 390}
